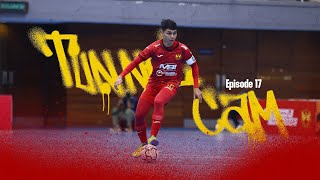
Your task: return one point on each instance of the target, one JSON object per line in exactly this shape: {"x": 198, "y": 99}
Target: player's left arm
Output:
{"x": 191, "y": 61}
{"x": 196, "y": 90}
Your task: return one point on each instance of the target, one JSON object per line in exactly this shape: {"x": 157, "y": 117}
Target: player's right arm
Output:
{"x": 144, "y": 55}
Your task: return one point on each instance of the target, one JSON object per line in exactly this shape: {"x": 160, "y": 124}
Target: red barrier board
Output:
{"x": 299, "y": 117}
{"x": 5, "y": 112}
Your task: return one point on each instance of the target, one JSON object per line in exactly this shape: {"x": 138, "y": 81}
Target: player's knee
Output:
{"x": 138, "y": 116}
{"x": 139, "y": 119}
{"x": 158, "y": 102}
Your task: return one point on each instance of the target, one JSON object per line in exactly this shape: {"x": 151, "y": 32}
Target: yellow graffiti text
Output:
{"x": 100, "y": 74}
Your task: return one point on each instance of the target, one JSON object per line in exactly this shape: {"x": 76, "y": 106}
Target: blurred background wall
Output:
{"x": 256, "y": 14}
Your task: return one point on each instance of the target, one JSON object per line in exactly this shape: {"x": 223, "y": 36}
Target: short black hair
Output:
{"x": 168, "y": 24}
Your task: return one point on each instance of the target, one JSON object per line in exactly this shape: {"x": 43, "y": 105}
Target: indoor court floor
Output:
{"x": 98, "y": 153}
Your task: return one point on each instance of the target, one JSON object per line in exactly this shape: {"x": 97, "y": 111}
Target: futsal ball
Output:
{"x": 149, "y": 153}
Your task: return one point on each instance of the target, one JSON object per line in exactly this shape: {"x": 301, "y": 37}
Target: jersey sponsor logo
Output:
{"x": 170, "y": 73}
{"x": 168, "y": 66}
{"x": 159, "y": 73}
{"x": 168, "y": 69}
{"x": 178, "y": 56}
{"x": 165, "y": 73}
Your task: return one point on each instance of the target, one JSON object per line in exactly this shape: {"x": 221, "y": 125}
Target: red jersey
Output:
{"x": 167, "y": 63}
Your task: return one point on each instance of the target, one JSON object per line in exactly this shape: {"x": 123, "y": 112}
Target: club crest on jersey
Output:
{"x": 178, "y": 56}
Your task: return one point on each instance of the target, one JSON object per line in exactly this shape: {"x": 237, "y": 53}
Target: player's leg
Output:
{"x": 140, "y": 123}
{"x": 129, "y": 118}
{"x": 144, "y": 104}
{"x": 162, "y": 98}
{"x": 115, "y": 119}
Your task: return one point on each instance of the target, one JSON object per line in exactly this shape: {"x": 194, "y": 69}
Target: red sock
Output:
{"x": 142, "y": 135}
{"x": 156, "y": 124}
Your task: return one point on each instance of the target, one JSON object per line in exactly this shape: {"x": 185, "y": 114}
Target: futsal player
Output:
{"x": 168, "y": 57}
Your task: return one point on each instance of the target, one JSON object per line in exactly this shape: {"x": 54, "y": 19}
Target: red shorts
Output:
{"x": 152, "y": 90}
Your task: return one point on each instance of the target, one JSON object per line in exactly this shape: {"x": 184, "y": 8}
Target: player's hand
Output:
{"x": 118, "y": 82}
{"x": 197, "y": 94}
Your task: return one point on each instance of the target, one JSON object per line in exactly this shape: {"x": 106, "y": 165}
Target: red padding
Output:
{"x": 5, "y": 112}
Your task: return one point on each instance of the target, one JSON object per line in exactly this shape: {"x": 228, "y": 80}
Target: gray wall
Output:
{"x": 282, "y": 15}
